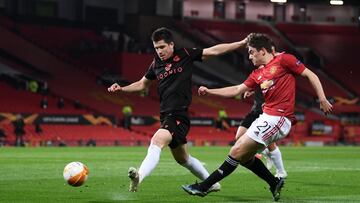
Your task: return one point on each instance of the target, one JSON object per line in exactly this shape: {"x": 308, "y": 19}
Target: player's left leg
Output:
{"x": 183, "y": 158}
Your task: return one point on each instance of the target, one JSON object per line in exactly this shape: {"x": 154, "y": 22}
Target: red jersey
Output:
{"x": 277, "y": 82}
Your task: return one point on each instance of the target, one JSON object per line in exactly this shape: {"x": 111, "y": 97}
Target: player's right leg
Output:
{"x": 243, "y": 150}
{"x": 161, "y": 139}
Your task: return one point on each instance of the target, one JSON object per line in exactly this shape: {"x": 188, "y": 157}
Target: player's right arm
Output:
{"x": 325, "y": 105}
{"x": 133, "y": 87}
{"x": 230, "y": 91}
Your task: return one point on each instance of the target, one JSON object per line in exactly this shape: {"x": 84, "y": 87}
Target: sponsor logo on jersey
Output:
{"x": 169, "y": 72}
{"x": 267, "y": 85}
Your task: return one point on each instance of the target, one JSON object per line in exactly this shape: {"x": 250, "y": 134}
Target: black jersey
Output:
{"x": 174, "y": 78}
{"x": 258, "y": 100}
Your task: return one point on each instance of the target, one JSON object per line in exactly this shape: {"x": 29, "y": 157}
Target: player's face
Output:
{"x": 163, "y": 49}
{"x": 256, "y": 57}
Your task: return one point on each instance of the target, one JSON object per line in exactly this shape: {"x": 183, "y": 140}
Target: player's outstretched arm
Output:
{"x": 133, "y": 87}
{"x": 221, "y": 49}
{"x": 230, "y": 91}
{"x": 325, "y": 105}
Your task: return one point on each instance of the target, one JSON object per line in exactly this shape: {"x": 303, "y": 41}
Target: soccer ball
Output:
{"x": 75, "y": 173}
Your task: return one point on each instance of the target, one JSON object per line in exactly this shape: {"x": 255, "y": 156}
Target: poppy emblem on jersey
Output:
{"x": 273, "y": 70}
{"x": 168, "y": 66}
{"x": 176, "y": 58}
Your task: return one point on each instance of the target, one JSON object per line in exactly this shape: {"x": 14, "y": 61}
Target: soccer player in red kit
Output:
{"x": 276, "y": 78}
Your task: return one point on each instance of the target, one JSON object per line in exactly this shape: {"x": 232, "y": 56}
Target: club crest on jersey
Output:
{"x": 168, "y": 66}
{"x": 176, "y": 58}
{"x": 273, "y": 70}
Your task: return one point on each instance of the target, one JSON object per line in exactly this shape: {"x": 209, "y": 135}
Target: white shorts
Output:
{"x": 268, "y": 129}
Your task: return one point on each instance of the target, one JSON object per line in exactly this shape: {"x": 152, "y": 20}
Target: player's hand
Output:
{"x": 203, "y": 90}
{"x": 248, "y": 37}
{"x": 248, "y": 94}
{"x": 325, "y": 106}
{"x": 114, "y": 87}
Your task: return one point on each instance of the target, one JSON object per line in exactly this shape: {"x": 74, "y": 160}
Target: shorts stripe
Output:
{"x": 275, "y": 129}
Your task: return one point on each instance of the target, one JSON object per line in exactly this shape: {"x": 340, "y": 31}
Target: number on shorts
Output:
{"x": 266, "y": 126}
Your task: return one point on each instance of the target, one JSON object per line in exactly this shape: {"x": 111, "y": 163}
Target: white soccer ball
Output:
{"x": 75, "y": 173}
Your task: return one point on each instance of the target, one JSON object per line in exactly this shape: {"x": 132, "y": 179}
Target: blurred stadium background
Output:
{"x": 57, "y": 59}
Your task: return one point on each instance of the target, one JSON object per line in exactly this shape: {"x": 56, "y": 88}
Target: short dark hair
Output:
{"x": 162, "y": 34}
{"x": 259, "y": 41}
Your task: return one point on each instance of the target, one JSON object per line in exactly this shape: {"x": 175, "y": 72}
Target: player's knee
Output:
{"x": 158, "y": 142}
{"x": 181, "y": 161}
{"x": 235, "y": 152}
{"x": 272, "y": 147}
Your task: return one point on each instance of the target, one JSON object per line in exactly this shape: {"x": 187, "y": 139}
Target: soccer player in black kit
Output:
{"x": 172, "y": 68}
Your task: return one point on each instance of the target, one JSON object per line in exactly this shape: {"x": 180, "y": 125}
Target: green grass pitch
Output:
{"x": 316, "y": 174}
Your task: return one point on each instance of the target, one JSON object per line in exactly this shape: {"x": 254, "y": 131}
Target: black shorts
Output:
{"x": 250, "y": 118}
{"x": 178, "y": 124}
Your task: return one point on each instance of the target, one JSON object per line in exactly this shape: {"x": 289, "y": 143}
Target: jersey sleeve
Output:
{"x": 194, "y": 53}
{"x": 250, "y": 81}
{"x": 292, "y": 64}
{"x": 150, "y": 73}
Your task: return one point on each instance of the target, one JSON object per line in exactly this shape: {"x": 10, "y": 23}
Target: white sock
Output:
{"x": 277, "y": 160}
{"x": 266, "y": 152}
{"x": 196, "y": 168}
{"x": 150, "y": 162}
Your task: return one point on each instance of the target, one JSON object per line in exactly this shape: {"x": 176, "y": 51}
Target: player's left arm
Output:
{"x": 224, "y": 48}
{"x": 325, "y": 105}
